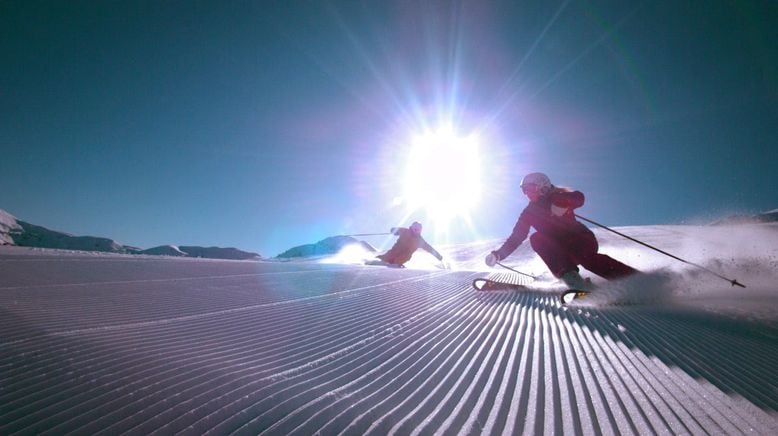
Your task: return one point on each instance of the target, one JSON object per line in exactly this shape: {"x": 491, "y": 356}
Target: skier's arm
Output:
{"x": 519, "y": 234}
{"x": 563, "y": 203}
{"x": 426, "y": 246}
{"x": 568, "y": 200}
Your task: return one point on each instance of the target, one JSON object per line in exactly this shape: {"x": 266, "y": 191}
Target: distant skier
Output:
{"x": 408, "y": 242}
{"x": 560, "y": 240}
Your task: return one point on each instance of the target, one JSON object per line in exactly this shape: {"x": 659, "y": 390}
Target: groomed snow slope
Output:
{"x": 112, "y": 344}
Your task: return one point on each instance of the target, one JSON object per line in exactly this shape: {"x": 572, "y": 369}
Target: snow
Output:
{"x": 101, "y": 342}
{"x": 165, "y": 250}
{"x": 8, "y": 223}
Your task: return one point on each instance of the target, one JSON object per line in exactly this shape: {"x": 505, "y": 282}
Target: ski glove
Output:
{"x": 492, "y": 259}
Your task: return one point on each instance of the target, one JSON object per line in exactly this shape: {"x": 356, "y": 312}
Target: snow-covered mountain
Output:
{"x": 331, "y": 245}
{"x": 204, "y": 252}
{"x": 8, "y": 224}
{"x": 217, "y": 252}
{"x": 16, "y": 232}
{"x": 165, "y": 250}
{"x": 37, "y": 236}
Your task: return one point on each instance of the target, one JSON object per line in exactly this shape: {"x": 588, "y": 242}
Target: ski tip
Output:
{"x": 482, "y": 284}
{"x": 571, "y": 295}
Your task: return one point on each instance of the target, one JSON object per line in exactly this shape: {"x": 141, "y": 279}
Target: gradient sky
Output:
{"x": 263, "y": 125}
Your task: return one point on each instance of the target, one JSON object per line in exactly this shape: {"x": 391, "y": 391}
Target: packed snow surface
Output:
{"x": 111, "y": 343}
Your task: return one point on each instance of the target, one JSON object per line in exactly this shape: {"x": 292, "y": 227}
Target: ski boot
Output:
{"x": 574, "y": 281}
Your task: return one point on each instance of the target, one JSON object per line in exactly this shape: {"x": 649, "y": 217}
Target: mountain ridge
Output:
{"x": 23, "y": 234}
{"x": 330, "y": 245}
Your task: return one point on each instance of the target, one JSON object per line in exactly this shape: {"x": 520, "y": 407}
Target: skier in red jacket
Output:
{"x": 408, "y": 242}
{"x": 560, "y": 240}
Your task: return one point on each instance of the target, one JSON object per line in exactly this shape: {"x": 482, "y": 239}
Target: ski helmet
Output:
{"x": 416, "y": 227}
{"x": 540, "y": 180}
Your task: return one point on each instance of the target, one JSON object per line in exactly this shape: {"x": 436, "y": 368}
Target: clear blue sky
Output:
{"x": 263, "y": 125}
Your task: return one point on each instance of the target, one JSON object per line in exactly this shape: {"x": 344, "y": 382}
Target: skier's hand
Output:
{"x": 492, "y": 259}
{"x": 393, "y": 230}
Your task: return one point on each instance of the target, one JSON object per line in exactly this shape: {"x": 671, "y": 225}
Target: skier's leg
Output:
{"x": 586, "y": 254}
{"x": 610, "y": 268}
{"x": 556, "y": 258}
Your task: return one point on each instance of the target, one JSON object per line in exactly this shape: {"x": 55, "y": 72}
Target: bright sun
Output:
{"x": 443, "y": 175}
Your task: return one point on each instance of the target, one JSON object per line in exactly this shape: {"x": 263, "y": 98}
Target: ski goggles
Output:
{"x": 530, "y": 188}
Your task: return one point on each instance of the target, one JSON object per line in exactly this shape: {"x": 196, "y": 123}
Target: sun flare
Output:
{"x": 443, "y": 175}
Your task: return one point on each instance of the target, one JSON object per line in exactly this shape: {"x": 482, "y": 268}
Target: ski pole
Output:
{"x": 733, "y": 282}
{"x": 516, "y": 271}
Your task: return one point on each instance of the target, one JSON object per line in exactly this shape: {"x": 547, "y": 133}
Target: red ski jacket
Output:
{"x": 406, "y": 245}
{"x": 538, "y": 214}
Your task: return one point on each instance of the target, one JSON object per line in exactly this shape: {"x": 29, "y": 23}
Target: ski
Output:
{"x": 486, "y": 285}
{"x": 572, "y": 294}
{"x": 379, "y": 262}
{"x": 482, "y": 284}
